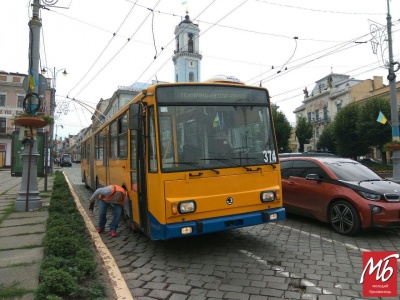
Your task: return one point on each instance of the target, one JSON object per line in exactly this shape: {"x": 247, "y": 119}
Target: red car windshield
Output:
{"x": 351, "y": 171}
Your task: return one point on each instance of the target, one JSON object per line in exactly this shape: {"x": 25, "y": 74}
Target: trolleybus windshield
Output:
{"x": 211, "y": 127}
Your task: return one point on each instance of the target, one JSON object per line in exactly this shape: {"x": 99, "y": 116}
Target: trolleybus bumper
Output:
{"x": 176, "y": 230}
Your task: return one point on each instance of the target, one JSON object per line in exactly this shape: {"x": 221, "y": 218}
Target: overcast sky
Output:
{"x": 241, "y": 38}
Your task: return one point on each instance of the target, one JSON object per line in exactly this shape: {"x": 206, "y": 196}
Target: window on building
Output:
{"x": 2, "y": 100}
{"x": 338, "y": 106}
{"x": 3, "y": 125}
{"x": 309, "y": 116}
{"x": 20, "y": 101}
{"x": 191, "y": 77}
{"x": 317, "y": 115}
{"x": 325, "y": 113}
{"x": 190, "y": 46}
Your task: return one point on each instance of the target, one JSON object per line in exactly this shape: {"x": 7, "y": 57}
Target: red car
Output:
{"x": 339, "y": 191}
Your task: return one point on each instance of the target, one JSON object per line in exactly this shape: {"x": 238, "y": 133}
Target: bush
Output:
{"x": 55, "y": 282}
{"x": 68, "y": 270}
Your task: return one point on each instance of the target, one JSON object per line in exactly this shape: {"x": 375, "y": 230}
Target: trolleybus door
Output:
{"x": 138, "y": 166}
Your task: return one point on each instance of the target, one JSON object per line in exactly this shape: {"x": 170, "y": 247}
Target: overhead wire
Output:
{"x": 203, "y": 33}
{"x": 320, "y": 10}
{"x": 352, "y": 41}
{"x": 334, "y": 51}
{"x": 102, "y": 52}
{"x": 346, "y": 72}
{"x": 145, "y": 70}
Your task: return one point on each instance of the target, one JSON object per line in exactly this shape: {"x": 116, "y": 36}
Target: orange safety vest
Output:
{"x": 116, "y": 188}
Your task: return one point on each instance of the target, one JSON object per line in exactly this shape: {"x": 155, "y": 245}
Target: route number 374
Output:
{"x": 269, "y": 156}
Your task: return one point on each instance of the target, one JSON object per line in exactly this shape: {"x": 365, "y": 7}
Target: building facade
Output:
{"x": 12, "y": 95}
{"x": 187, "y": 55}
{"x": 331, "y": 93}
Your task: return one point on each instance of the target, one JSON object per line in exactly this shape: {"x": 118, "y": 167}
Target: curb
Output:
{"x": 121, "y": 290}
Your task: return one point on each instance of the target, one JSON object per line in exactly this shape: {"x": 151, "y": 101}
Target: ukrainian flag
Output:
{"x": 381, "y": 118}
{"x": 33, "y": 81}
{"x": 216, "y": 122}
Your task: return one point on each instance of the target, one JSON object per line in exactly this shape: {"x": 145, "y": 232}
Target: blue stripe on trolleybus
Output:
{"x": 161, "y": 232}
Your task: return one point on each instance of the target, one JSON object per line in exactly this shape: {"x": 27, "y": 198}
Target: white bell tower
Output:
{"x": 187, "y": 56}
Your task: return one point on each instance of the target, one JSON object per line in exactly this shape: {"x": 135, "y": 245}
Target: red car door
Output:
{"x": 303, "y": 195}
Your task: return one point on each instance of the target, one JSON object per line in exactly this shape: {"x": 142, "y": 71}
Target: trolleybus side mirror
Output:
{"x": 134, "y": 116}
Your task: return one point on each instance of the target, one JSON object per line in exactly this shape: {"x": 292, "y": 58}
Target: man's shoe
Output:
{"x": 113, "y": 233}
{"x": 100, "y": 230}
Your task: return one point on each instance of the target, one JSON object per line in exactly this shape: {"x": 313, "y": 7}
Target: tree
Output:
{"x": 304, "y": 132}
{"x": 283, "y": 131}
{"x": 374, "y": 133}
{"x": 327, "y": 140}
{"x": 349, "y": 142}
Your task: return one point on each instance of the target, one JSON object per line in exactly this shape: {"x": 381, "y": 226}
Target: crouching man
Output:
{"x": 112, "y": 194}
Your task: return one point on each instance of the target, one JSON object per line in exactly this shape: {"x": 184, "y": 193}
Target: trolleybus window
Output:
{"x": 114, "y": 140}
{"x": 123, "y": 137}
{"x": 152, "y": 142}
{"x": 99, "y": 147}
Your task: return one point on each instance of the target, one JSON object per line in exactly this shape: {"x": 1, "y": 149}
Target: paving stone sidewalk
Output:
{"x": 21, "y": 235}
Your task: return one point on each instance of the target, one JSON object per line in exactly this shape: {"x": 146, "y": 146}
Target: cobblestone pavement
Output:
{"x": 297, "y": 258}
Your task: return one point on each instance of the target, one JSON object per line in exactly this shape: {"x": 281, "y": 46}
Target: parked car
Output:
{"x": 340, "y": 191}
{"x": 66, "y": 160}
{"x": 369, "y": 161}
{"x": 307, "y": 153}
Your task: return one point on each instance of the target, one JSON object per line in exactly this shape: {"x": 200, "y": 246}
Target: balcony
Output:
{"x": 321, "y": 121}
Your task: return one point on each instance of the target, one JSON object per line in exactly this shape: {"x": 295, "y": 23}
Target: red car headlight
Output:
{"x": 370, "y": 196}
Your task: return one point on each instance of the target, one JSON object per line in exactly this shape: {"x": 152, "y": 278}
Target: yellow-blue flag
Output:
{"x": 33, "y": 81}
{"x": 216, "y": 122}
{"x": 381, "y": 118}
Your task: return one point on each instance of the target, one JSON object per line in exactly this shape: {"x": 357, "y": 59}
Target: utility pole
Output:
{"x": 28, "y": 198}
{"x": 393, "y": 99}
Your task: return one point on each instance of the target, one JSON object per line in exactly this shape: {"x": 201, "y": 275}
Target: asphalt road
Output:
{"x": 297, "y": 258}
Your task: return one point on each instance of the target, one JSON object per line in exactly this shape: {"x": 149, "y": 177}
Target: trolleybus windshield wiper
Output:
{"x": 229, "y": 161}
{"x": 194, "y": 164}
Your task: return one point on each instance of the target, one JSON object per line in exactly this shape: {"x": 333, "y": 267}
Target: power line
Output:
{"x": 116, "y": 54}
{"x": 319, "y": 10}
{"x": 347, "y": 72}
{"x": 335, "y": 49}
{"x": 207, "y": 7}
{"x": 101, "y": 54}
{"x": 202, "y": 34}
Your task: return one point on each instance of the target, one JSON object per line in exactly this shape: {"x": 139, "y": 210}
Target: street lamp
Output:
{"x": 54, "y": 74}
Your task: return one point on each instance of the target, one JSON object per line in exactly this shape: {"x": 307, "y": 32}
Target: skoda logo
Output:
{"x": 229, "y": 200}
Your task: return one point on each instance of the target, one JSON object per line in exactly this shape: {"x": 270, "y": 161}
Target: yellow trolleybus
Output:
{"x": 195, "y": 158}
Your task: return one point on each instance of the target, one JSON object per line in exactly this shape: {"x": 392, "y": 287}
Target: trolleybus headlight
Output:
{"x": 267, "y": 196}
{"x": 185, "y": 207}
